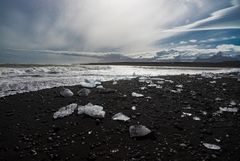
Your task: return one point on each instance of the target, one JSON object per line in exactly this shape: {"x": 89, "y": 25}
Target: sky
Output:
{"x": 122, "y": 26}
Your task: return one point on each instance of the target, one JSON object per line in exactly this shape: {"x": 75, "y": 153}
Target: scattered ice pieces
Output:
{"x": 143, "y": 88}
{"x": 133, "y": 108}
{"x": 134, "y": 94}
{"x": 120, "y": 116}
{"x": 84, "y": 92}
{"x": 212, "y": 82}
{"x": 65, "y": 111}
{"x": 228, "y": 109}
{"x": 114, "y": 150}
{"x": 170, "y": 81}
{"x": 94, "y": 111}
{"x": 159, "y": 87}
{"x": 160, "y": 82}
{"x": 196, "y": 118}
{"x": 218, "y": 99}
{"x": 152, "y": 85}
{"x": 66, "y": 92}
{"x": 204, "y": 112}
{"x": 233, "y": 103}
{"x": 217, "y": 140}
{"x": 211, "y": 146}
{"x": 179, "y": 86}
{"x": 186, "y": 114}
{"x": 139, "y": 131}
{"x": 100, "y": 87}
{"x": 148, "y": 97}
{"x": 176, "y": 91}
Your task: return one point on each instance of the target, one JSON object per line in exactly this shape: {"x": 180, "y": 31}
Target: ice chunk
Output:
{"x": 138, "y": 130}
{"x": 196, "y": 118}
{"x": 177, "y": 91}
{"x": 114, "y": 82}
{"x": 233, "y": 103}
{"x": 100, "y": 87}
{"x": 211, "y": 146}
{"x": 65, "y": 111}
{"x": 66, "y": 93}
{"x": 218, "y": 99}
{"x": 212, "y": 82}
{"x": 84, "y": 92}
{"x": 120, "y": 116}
{"x": 179, "y": 86}
{"x": 134, "y": 94}
{"x": 88, "y": 83}
{"x": 134, "y": 108}
{"x": 186, "y": 114}
{"x": 226, "y": 109}
{"x": 95, "y": 111}
{"x": 143, "y": 88}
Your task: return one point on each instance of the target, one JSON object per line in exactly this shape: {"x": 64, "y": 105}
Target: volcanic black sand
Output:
{"x": 29, "y": 132}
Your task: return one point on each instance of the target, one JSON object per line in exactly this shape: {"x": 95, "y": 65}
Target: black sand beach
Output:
{"x": 29, "y": 132}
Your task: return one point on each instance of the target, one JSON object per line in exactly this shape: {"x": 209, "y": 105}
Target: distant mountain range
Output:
{"x": 219, "y": 57}
{"x": 176, "y": 56}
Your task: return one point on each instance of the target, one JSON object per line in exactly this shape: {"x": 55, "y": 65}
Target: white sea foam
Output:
{"x": 24, "y": 79}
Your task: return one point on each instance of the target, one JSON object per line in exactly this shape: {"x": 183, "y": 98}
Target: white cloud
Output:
{"x": 193, "y": 41}
{"x": 96, "y": 25}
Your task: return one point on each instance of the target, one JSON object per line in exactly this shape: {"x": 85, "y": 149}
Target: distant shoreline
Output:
{"x": 182, "y": 64}
{"x": 227, "y": 64}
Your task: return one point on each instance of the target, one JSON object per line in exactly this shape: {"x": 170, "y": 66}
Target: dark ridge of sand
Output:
{"x": 231, "y": 64}
{"x": 29, "y": 132}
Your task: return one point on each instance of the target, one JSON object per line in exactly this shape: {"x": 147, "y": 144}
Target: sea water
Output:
{"x": 18, "y": 79}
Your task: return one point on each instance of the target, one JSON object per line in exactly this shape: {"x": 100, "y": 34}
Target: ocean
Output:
{"x": 24, "y": 78}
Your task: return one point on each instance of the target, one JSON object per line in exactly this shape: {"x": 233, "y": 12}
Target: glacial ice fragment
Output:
{"x": 88, "y": 84}
{"x": 196, "y": 118}
{"x": 120, "y": 116}
{"x": 211, "y": 146}
{"x": 134, "y": 94}
{"x": 226, "y": 109}
{"x": 84, "y": 92}
{"x": 65, "y": 111}
{"x": 179, "y": 86}
{"x": 94, "y": 111}
{"x": 66, "y": 93}
{"x": 133, "y": 108}
{"x": 138, "y": 130}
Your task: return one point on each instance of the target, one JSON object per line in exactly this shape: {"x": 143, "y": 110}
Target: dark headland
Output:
{"x": 29, "y": 132}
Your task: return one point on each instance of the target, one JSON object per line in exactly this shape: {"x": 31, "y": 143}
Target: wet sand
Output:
{"x": 29, "y": 132}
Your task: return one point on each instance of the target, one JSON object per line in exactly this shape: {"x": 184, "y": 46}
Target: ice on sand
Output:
{"x": 134, "y": 94}
{"x": 196, "y": 118}
{"x": 65, "y": 111}
{"x": 120, "y": 116}
{"x": 84, "y": 92}
{"x": 66, "y": 93}
{"x": 211, "y": 146}
{"x": 138, "y": 130}
{"x": 88, "y": 84}
{"x": 226, "y": 109}
{"x": 134, "y": 108}
{"x": 94, "y": 111}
